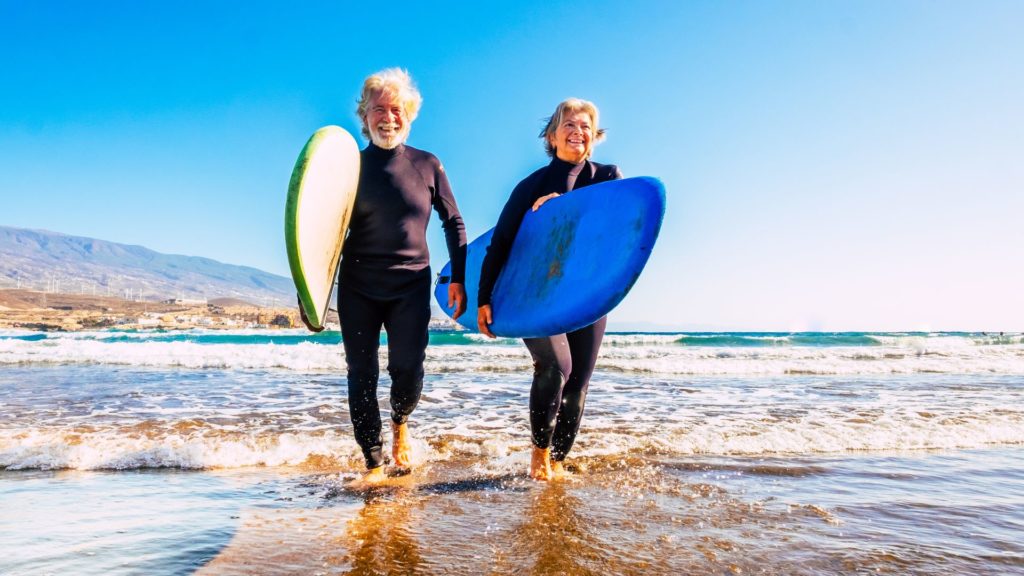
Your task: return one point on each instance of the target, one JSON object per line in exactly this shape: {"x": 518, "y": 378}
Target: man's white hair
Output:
{"x": 393, "y": 81}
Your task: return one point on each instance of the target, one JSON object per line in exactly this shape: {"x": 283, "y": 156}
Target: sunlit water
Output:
{"x": 142, "y": 453}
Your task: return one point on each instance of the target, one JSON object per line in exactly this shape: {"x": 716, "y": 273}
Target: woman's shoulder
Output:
{"x": 534, "y": 176}
{"x": 530, "y": 183}
{"x": 603, "y": 172}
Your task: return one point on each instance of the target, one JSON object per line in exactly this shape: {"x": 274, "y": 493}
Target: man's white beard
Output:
{"x": 390, "y": 141}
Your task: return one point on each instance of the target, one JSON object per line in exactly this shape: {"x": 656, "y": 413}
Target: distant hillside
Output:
{"x": 41, "y": 260}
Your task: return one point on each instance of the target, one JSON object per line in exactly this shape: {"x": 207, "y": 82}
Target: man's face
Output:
{"x": 385, "y": 120}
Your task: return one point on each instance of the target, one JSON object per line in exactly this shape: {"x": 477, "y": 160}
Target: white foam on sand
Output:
{"x": 743, "y": 433}
{"x": 642, "y": 354}
{"x": 306, "y": 356}
{"x": 203, "y": 407}
{"x": 118, "y": 449}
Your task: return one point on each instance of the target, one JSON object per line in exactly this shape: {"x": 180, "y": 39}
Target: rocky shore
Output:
{"x": 43, "y": 311}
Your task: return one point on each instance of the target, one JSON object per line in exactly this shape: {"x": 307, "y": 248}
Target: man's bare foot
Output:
{"x": 373, "y": 477}
{"x": 401, "y": 445}
{"x": 558, "y": 471}
{"x": 540, "y": 464}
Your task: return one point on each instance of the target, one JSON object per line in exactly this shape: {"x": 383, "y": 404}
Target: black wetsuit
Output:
{"x": 562, "y": 364}
{"x": 384, "y": 280}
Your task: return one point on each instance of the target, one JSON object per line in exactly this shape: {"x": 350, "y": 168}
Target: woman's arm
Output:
{"x": 504, "y": 234}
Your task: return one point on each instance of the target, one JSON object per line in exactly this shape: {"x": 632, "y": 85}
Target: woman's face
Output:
{"x": 572, "y": 138}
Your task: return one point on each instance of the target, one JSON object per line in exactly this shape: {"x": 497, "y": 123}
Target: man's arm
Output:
{"x": 451, "y": 221}
{"x": 455, "y": 238}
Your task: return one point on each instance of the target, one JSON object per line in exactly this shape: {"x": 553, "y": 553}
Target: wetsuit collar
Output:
{"x": 574, "y": 170}
{"x": 565, "y": 175}
{"x": 558, "y": 162}
{"x": 382, "y": 153}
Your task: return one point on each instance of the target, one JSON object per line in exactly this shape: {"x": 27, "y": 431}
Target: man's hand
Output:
{"x": 484, "y": 320}
{"x": 457, "y": 298}
{"x": 302, "y": 315}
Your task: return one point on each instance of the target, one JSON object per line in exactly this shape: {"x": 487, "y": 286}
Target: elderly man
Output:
{"x": 384, "y": 275}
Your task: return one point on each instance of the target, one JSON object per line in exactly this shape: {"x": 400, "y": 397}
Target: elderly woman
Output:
{"x": 562, "y": 363}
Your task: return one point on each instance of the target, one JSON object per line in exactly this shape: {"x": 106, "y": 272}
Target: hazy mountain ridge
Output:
{"x": 43, "y": 260}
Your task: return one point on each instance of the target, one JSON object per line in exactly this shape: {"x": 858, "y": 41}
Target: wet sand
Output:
{"x": 143, "y": 469}
{"x": 880, "y": 514}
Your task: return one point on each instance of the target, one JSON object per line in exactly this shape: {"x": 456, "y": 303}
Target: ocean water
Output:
{"x": 223, "y": 453}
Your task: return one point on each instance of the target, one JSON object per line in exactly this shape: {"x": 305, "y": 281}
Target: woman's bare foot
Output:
{"x": 401, "y": 445}
{"x": 540, "y": 464}
{"x": 373, "y": 477}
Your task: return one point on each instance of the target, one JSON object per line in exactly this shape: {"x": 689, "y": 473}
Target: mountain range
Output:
{"x": 54, "y": 262}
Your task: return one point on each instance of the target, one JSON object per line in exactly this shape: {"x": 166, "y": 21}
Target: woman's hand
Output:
{"x": 540, "y": 201}
{"x": 457, "y": 298}
{"x": 484, "y": 319}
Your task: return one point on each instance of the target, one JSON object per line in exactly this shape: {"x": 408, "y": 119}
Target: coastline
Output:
{"x": 58, "y": 312}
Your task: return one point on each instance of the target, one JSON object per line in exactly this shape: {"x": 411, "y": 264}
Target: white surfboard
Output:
{"x": 321, "y": 194}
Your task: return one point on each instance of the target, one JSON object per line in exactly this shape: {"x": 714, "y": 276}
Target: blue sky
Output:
{"x": 833, "y": 166}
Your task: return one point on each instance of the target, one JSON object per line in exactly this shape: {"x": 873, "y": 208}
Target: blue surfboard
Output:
{"x": 572, "y": 262}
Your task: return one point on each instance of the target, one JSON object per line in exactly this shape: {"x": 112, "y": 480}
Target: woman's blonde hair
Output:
{"x": 570, "y": 106}
{"x": 395, "y": 81}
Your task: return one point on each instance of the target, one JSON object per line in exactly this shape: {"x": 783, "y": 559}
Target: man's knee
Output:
{"x": 361, "y": 375}
{"x": 362, "y": 387}
{"x": 406, "y": 379}
{"x": 362, "y": 365}
{"x": 407, "y": 371}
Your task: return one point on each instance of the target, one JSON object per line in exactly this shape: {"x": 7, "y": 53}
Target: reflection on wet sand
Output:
{"x": 381, "y": 539}
{"x": 554, "y": 536}
{"x": 282, "y": 541}
{"x": 613, "y": 519}
{"x": 374, "y": 535}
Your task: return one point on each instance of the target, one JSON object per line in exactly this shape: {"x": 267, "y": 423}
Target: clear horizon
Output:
{"x": 828, "y": 167}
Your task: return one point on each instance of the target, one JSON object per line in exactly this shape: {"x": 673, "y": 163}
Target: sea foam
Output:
{"x": 672, "y": 354}
{"x": 116, "y": 448}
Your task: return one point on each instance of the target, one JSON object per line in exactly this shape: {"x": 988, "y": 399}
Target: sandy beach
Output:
{"x": 230, "y": 452}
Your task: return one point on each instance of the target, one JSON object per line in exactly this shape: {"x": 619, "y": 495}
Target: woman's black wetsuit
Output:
{"x": 385, "y": 281}
{"x": 562, "y": 364}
